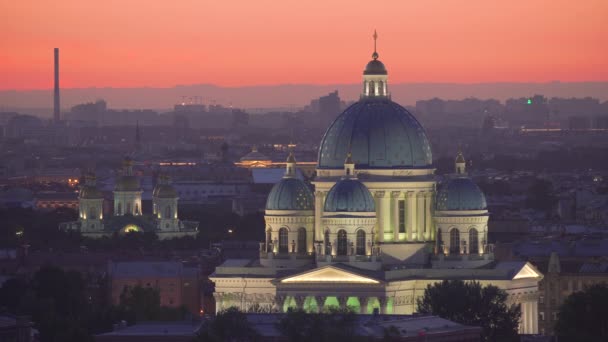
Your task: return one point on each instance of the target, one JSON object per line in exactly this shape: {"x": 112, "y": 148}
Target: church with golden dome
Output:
{"x": 127, "y": 215}
{"x": 374, "y": 228}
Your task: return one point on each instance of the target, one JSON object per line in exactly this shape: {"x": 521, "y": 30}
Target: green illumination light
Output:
{"x": 529, "y": 101}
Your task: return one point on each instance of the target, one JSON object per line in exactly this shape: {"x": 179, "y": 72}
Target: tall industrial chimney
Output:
{"x": 56, "y": 108}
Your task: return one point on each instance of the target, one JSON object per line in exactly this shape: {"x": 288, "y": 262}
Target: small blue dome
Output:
{"x": 380, "y": 134}
{"x": 461, "y": 194}
{"x": 349, "y": 195}
{"x": 290, "y": 194}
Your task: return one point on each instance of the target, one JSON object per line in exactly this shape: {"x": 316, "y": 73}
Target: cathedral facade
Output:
{"x": 128, "y": 215}
{"x": 376, "y": 230}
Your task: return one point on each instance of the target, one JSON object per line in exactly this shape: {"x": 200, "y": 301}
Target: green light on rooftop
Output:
{"x": 529, "y": 101}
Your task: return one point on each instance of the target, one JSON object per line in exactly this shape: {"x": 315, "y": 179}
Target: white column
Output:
{"x": 333, "y": 237}
{"x": 318, "y": 228}
{"x": 534, "y": 317}
{"x": 429, "y": 220}
{"x": 420, "y": 215}
{"x": 410, "y": 221}
{"x": 395, "y": 224}
{"x": 380, "y": 214}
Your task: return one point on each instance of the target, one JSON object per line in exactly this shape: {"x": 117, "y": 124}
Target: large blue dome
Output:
{"x": 349, "y": 195}
{"x": 290, "y": 194}
{"x": 460, "y": 194}
{"x": 380, "y": 134}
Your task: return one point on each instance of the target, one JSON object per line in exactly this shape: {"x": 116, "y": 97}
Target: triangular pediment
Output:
{"x": 527, "y": 271}
{"x": 329, "y": 274}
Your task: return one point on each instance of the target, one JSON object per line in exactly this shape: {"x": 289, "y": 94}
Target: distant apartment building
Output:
{"x": 55, "y": 200}
{"x": 562, "y": 278}
{"x": 177, "y": 284}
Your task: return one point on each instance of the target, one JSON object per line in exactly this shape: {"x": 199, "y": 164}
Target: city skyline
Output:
{"x": 298, "y": 43}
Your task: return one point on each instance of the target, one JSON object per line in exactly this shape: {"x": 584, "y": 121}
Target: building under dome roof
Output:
{"x": 380, "y": 133}
{"x": 290, "y": 194}
{"x": 460, "y": 193}
{"x": 349, "y": 195}
{"x": 372, "y": 242}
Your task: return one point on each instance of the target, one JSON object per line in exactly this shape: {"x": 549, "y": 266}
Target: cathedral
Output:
{"x": 127, "y": 214}
{"x": 377, "y": 229}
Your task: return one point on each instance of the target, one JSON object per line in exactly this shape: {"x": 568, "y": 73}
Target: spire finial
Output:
{"x": 375, "y": 54}
{"x": 460, "y": 162}
{"x": 349, "y": 164}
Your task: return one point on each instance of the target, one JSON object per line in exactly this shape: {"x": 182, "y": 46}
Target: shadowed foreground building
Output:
{"x": 176, "y": 284}
{"x": 370, "y": 327}
{"x": 376, "y": 231}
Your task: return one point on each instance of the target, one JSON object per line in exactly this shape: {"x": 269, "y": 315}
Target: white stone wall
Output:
{"x": 418, "y": 197}
{"x": 167, "y": 221}
{"x": 464, "y": 222}
{"x": 292, "y": 220}
{"x": 88, "y": 206}
{"x": 125, "y": 200}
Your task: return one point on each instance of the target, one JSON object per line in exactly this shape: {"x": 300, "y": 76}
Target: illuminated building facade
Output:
{"x": 375, "y": 231}
{"x": 128, "y": 215}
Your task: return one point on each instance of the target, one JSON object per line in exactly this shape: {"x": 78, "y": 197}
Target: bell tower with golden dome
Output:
{"x": 127, "y": 193}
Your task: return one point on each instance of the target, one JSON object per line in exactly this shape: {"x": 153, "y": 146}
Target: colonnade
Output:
{"x": 320, "y": 303}
{"x": 417, "y": 214}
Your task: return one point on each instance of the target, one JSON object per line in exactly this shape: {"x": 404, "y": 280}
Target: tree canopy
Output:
{"x": 584, "y": 315}
{"x": 63, "y": 308}
{"x": 333, "y": 325}
{"x": 471, "y": 304}
{"x": 230, "y": 325}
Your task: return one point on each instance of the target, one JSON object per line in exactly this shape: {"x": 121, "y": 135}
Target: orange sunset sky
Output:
{"x": 134, "y": 43}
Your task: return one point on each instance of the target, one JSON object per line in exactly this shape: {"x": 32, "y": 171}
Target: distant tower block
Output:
{"x": 56, "y": 107}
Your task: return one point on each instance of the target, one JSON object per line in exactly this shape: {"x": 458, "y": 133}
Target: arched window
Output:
{"x": 302, "y": 241}
{"x": 92, "y": 213}
{"x": 137, "y": 209}
{"x": 360, "y": 242}
{"x": 473, "y": 241}
{"x": 129, "y": 208}
{"x": 119, "y": 208}
{"x": 380, "y": 88}
{"x": 283, "y": 241}
{"x": 372, "y": 88}
{"x": 327, "y": 243}
{"x": 454, "y": 241}
{"x": 268, "y": 240}
{"x": 342, "y": 242}
{"x": 168, "y": 212}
